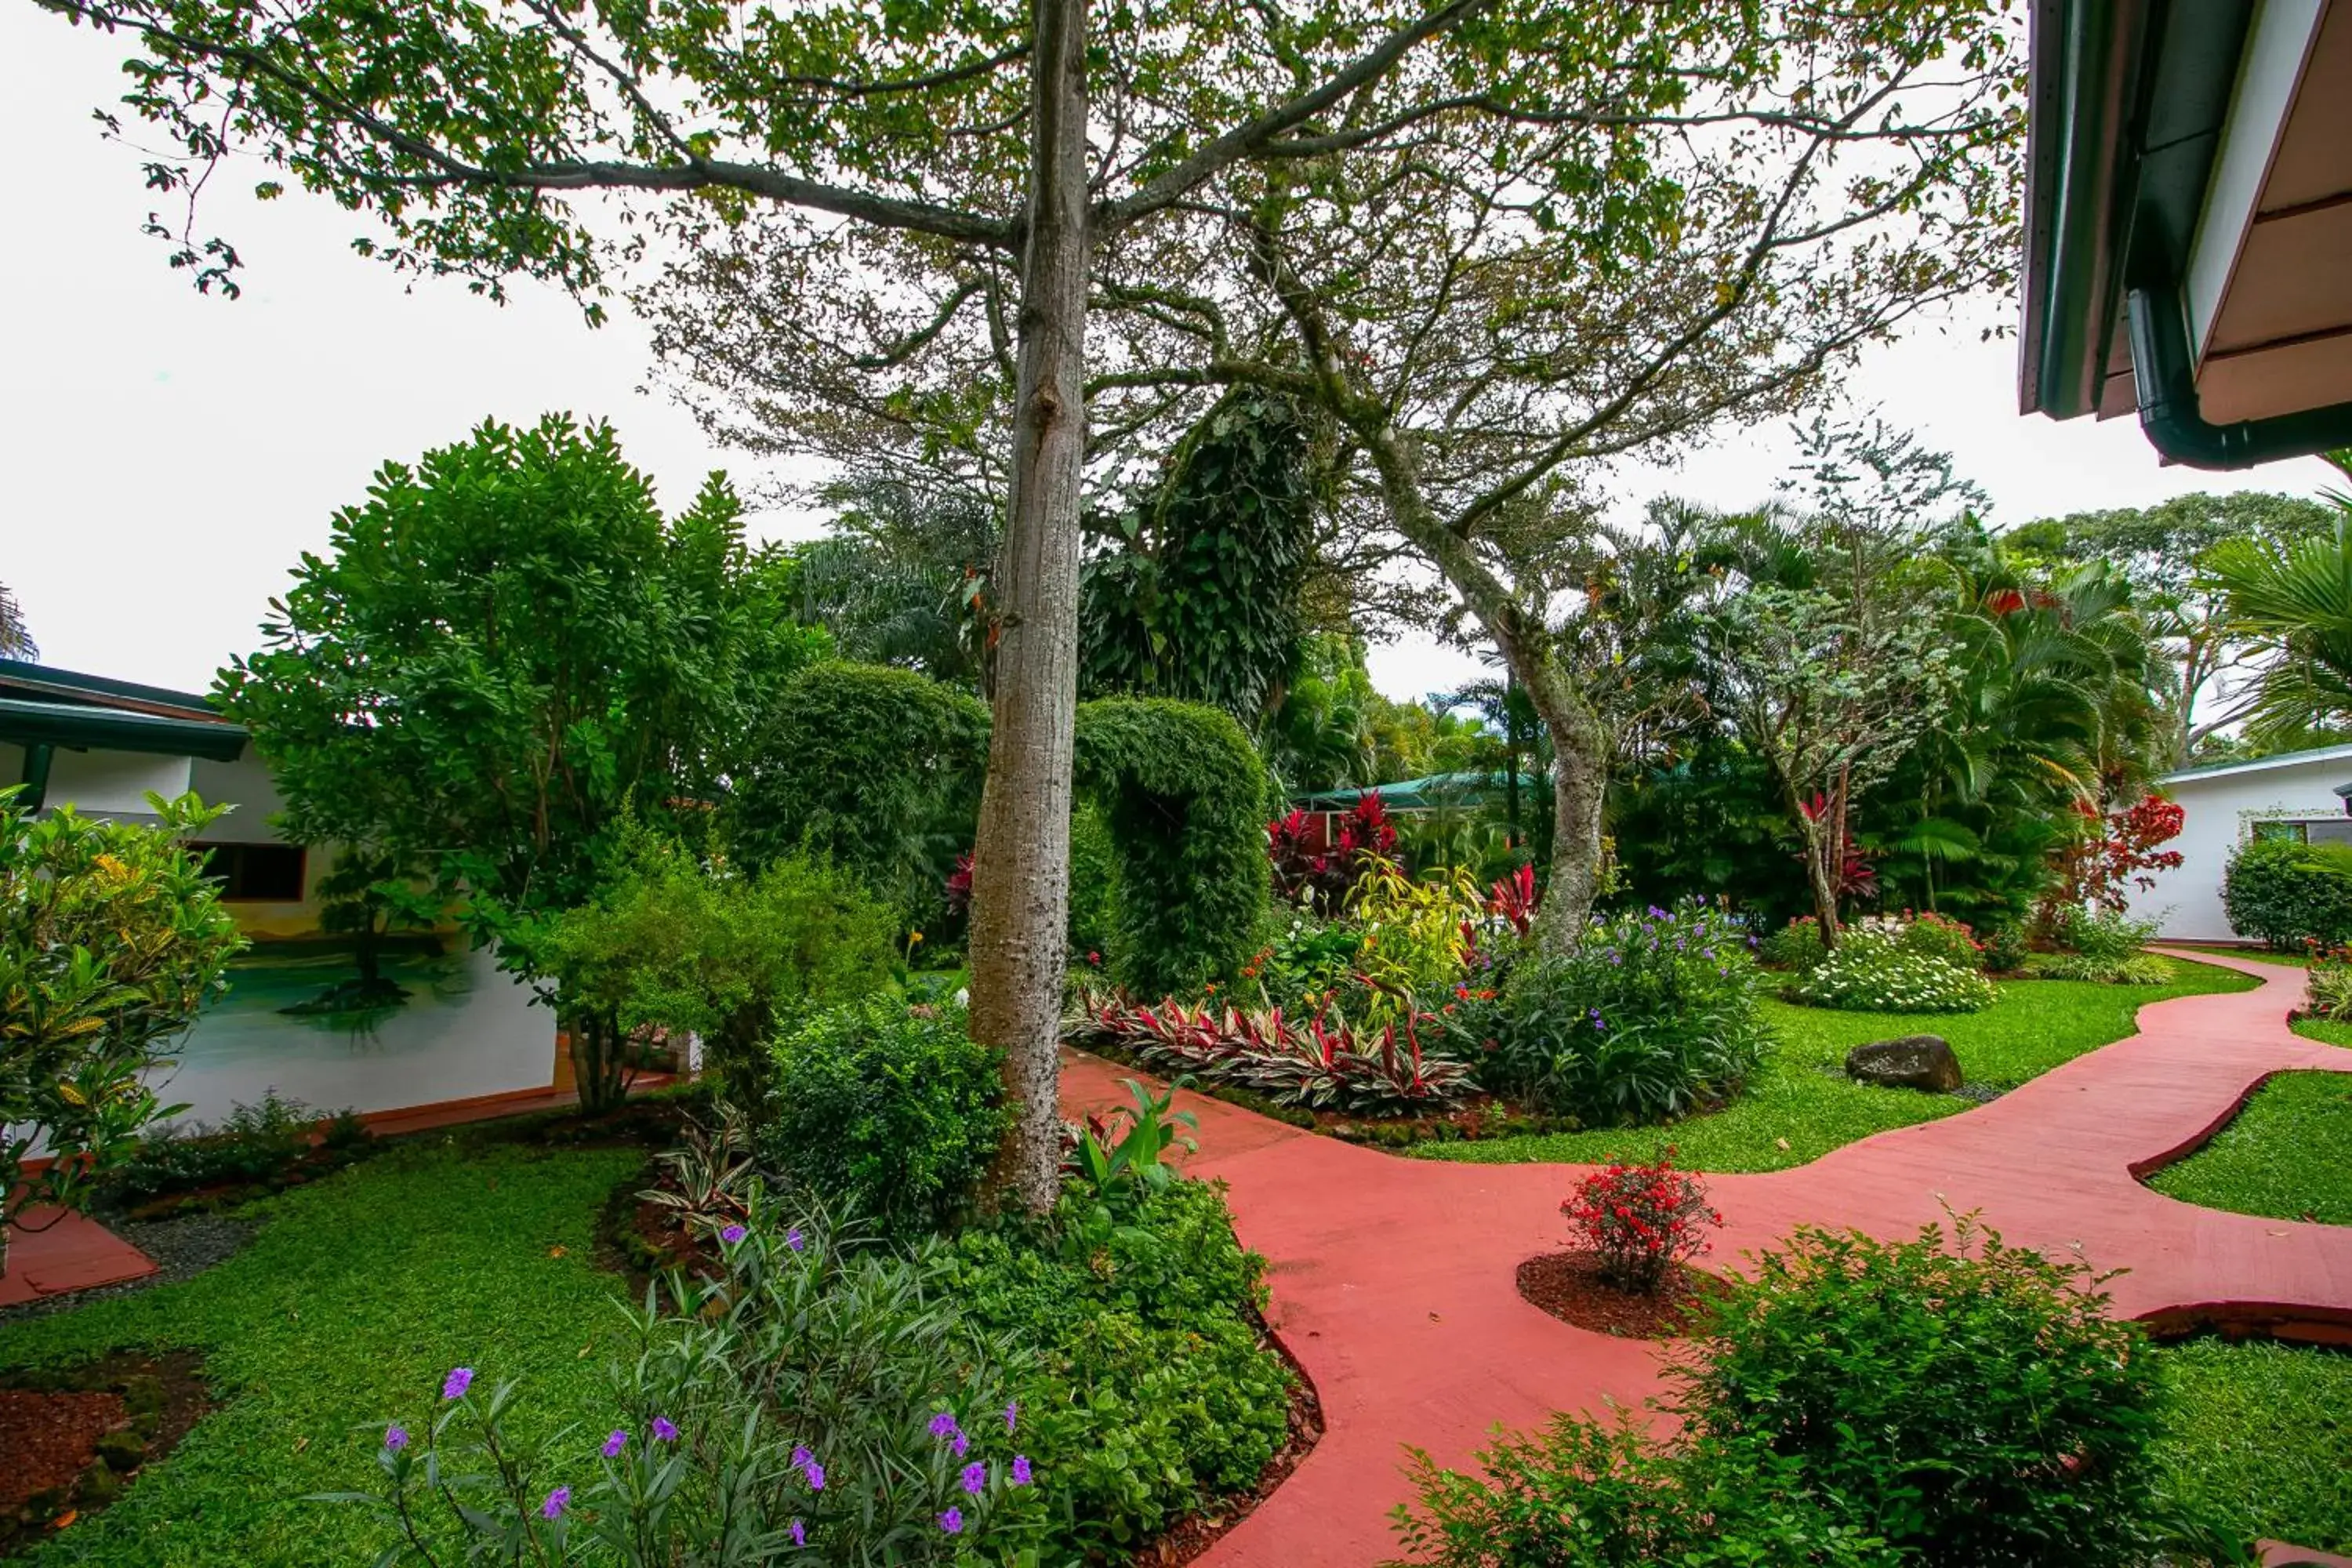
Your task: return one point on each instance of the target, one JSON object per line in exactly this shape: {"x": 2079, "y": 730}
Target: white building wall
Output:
{"x": 114, "y": 784}
{"x": 2219, "y": 811}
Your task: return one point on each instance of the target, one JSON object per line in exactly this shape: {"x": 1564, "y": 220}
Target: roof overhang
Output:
{"x": 112, "y": 730}
{"x": 2188, "y": 214}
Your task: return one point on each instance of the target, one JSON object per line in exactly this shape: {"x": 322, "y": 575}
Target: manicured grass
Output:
{"x": 2259, "y": 954}
{"x": 1801, "y": 1104}
{"x": 2281, "y": 1156}
{"x": 2333, "y": 1031}
{"x": 2261, "y": 1432}
{"x": 347, "y": 1310}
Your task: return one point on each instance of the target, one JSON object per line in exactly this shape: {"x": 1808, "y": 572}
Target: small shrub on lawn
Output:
{"x": 1874, "y": 971}
{"x": 2290, "y": 895}
{"x": 1940, "y": 936}
{"x": 2327, "y": 988}
{"x": 1969, "y": 1401}
{"x": 1949, "y": 1403}
{"x": 1653, "y": 1014}
{"x": 2104, "y": 946}
{"x": 892, "y": 1110}
{"x": 1797, "y": 945}
{"x": 1642, "y": 1221}
{"x": 2005, "y": 947}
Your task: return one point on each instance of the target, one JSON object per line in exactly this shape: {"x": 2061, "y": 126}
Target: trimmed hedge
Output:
{"x": 2289, "y": 894}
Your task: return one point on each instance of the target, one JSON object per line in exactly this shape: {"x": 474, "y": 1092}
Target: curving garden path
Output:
{"x": 1394, "y": 1285}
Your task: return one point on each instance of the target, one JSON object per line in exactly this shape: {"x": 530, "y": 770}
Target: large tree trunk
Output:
{"x": 1580, "y": 740}
{"x": 1021, "y": 865}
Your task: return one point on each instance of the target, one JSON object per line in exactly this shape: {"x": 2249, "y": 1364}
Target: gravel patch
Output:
{"x": 182, "y": 1248}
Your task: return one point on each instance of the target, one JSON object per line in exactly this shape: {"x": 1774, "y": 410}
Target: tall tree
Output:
{"x": 15, "y": 636}
{"x": 1703, "y": 212}
{"x": 2163, "y": 551}
{"x": 908, "y": 166}
{"x": 506, "y": 652}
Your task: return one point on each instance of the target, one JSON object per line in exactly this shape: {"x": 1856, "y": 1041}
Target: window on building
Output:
{"x": 2292, "y": 832}
{"x": 261, "y": 873}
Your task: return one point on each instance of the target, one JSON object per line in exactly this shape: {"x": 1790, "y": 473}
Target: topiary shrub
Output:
{"x": 1179, "y": 785}
{"x": 2290, "y": 895}
{"x": 876, "y": 770}
{"x": 1651, "y": 1014}
{"x": 1874, "y": 971}
{"x": 893, "y": 1111}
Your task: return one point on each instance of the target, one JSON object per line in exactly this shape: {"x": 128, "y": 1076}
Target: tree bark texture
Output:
{"x": 1020, "y": 882}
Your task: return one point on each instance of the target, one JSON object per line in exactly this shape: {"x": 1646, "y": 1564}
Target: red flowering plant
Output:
{"x": 1514, "y": 900}
{"x": 1642, "y": 1222}
{"x": 2106, "y": 855}
{"x": 1307, "y": 869}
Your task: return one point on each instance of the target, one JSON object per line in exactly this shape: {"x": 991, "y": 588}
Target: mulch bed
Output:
{"x": 1193, "y": 1535}
{"x": 1568, "y": 1286}
{"x": 71, "y": 1440}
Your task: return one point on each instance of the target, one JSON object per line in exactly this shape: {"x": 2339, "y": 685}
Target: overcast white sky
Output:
{"x": 168, "y": 457}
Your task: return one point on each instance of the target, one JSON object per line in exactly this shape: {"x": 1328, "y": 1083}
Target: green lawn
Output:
{"x": 2259, "y": 955}
{"x": 2281, "y": 1156}
{"x": 347, "y": 1309}
{"x": 2334, "y": 1031}
{"x": 1801, "y": 1104}
{"x": 2261, "y": 1432}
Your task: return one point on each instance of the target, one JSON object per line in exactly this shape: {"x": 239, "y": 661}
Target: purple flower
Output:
{"x": 557, "y": 1501}
{"x": 395, "y": 1437}
{"x": 615, "y": 1443}
{"x": 959, "y": 1445}
{"x": 801, "y": 1457}
{"x": 943, "y": 1424}
{"x": 455, "y": 1386}
{"x": 815, "y": 1474}
{"x": 1020, "y": 1470}
{"x": 1012, "y": 1413}
{"x": 975, "y": 1478}
{"x": 952, "y": 1522}
{"x": 732, "y": 1235}
{"x": 799, "y": 1533}
{"x": 664, "y": 1431}
{"x": 794, "y": 1239}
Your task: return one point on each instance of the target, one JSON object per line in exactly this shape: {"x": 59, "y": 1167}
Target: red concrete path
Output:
{"x": 51, "y": 1253}
{"x": 1393, "y": 1279}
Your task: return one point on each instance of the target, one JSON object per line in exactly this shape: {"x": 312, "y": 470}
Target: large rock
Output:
{"x": 1915, "y": 1061}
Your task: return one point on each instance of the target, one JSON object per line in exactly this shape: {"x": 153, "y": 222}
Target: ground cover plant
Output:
{"x": 2282, "y": 1155}
{"x": 1798, "y": 1103}
{"x": 2255, "y": 1433}
{"x": 1874, "y": 970}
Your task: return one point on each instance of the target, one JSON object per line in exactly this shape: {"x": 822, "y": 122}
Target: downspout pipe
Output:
{"x": 2165, "y": 375}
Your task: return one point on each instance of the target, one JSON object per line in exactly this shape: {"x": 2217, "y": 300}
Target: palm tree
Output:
{"x": 16, "y": 637}
{"x": 2294, "y": 603}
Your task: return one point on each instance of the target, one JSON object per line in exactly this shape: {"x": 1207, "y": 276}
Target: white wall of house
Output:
{"x": 2220, "y": 807}
{"x": 109, "y": 784}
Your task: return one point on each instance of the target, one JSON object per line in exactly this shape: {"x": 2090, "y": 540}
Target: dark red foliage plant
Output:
{"x": 2108, "y": 854}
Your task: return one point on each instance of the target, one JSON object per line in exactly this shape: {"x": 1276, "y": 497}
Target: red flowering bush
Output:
{"x": 1307, "y": 870}
{"x": 1644, "y": 1221}
{"x": 2106, "y": 856}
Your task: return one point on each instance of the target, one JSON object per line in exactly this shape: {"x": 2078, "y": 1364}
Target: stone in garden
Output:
{"x": 1915, "y": 1061}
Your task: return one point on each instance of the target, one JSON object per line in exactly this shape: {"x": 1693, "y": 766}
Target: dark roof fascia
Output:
{"x": 98, "y": 691}
{"x": 87, "y": 728}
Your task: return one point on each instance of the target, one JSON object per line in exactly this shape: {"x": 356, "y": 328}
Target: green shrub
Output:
{"x": 2328, "y": 987}
{"x": 1582, "y": 1494}
{"x": 891, "y": 1111}
{"x": 1093, "y": 888}
{"x": 1872, "y": 972}
{"x": 2005, "y": 947}
{"x": 876, "y": 770}
{"x": 1147, "y": 1390}
{"x": 1939, "y": 936}
{"x": 255, "y": 1145}
{"x": 1651, "y": 1014}
{"x": 2290, "y": 895}
{"x": 2102, "y": 946}
{"x": 1179, "y": 787}
{"x": 1971, "y": 1402}
{"x": 1797, "y": 945}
